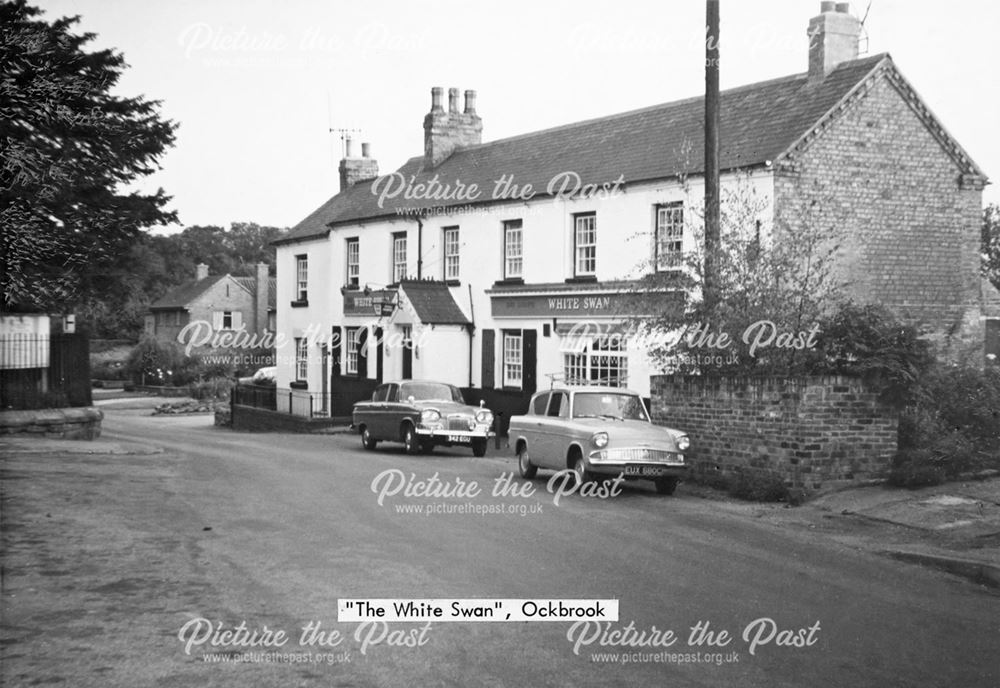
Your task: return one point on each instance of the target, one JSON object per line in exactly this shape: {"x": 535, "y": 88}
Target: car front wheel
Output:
{"x": 367, "y": 441}
{"x": 479, "y": 448}
{"x": 524, "y": 465}
{"x": 665, "y": 486}
{"x": 580, "y": 472}
{"x": 410, "y": 441}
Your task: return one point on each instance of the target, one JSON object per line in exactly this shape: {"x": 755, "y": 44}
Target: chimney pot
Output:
{"x": 470, "y": 102}
{"x": 366, "y": 150}
{"x": 844, "y": 7}
{"x": 436, "y": 94}
{"x": 453, "y": 100}
{"x": 828, "y": 6}
{"x": 348, "y": 147}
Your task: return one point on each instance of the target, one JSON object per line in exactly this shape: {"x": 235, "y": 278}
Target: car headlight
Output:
{"x": 484, "y": 417}
{"x": 429, "y": 416}
{"x": 600, "y": 440}
{"x": 683, "y": 442}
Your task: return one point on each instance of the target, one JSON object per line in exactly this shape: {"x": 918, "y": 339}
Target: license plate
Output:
{"x": 644, "y": 470}
{"x": 461, "y": 439}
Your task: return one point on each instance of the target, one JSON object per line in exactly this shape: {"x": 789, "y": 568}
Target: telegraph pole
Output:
{"x": 712, "y": 208}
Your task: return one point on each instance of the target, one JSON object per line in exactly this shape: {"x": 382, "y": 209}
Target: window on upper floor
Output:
{"x": 513, "y": 250}
{"x": 398, "y": 256}
{"x": 353, "y": 270}
{"x": 585, "y": 244}
{"x": 227, "y": 320}
{"x": 668, "y": 240}
{"x": 451, "y": 262}
{"x": 302, "y": 278}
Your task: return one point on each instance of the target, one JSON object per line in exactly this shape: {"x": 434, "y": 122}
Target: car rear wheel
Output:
{"x": 524, "y": 465}
{"x": 479, "y": 448}
{"x": 665, "y": 486}
{"x": 410, "y": 441}
{"x": 367, "y": 441}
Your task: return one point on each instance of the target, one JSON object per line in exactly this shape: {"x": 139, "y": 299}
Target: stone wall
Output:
{"x": 248, "y": 419}
{"x": 66, "y": 423}
{"x": 808, "y": 430}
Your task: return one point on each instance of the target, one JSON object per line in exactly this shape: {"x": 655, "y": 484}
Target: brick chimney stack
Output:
{"x": 354, "y": 169}
{"x": 833, "y": 38}
{"x": 444, "y": 132}
{"x": 261, "y": 293}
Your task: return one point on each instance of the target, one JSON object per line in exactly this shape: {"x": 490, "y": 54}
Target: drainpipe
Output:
{"x": 420, "y": 248}
{"x": 472, "y": 330}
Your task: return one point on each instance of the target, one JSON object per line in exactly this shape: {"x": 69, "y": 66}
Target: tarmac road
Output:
{"x": 109, "y": 555}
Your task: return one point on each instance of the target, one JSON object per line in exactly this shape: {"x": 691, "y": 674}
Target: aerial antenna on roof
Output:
{"x": 345, "y": 134}
{"x": 863, "y": 38}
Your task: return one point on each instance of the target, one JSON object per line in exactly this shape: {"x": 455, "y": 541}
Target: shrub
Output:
{"x": 869, "y": 341}
{"x": 161, "y": 363}
{"x": 213, "y": 388}
{"x": 758, "y": 485}
{"x": 913, "y": 468}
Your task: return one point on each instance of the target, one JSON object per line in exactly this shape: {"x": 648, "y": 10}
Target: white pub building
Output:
{"x": 473, "y": 262}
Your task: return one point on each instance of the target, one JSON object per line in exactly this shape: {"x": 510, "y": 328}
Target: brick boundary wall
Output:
{"x": 66, "y": 423}
{"x": 807, "y": 430}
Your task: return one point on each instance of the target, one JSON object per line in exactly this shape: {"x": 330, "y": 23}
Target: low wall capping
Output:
{"x": 808, "y": 430}
{"x": 83, "y": 423}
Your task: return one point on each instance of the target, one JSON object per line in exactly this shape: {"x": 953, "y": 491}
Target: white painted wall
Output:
{"x": 625, "y": 225}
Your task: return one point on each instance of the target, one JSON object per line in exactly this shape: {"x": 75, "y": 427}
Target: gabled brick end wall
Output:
{"x": 907, "y": 215}
{"x": 808, "y": 430}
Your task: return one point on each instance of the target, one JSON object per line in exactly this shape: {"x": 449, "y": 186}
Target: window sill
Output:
{"x": 509, "y": 281}
{"x": 508, "y": 388}
{"x": 300, "y": 304}
{"x": 582, "y": 279}
{"x": 350, "y": 287}
{"x": 299, "y": 384}
{"x": 453, "y": 283}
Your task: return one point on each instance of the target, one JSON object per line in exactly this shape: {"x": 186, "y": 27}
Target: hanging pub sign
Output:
{"x": 381, "y": 302}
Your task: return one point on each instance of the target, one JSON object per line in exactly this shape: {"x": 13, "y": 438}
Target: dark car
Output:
{"x": 422, "y": 415}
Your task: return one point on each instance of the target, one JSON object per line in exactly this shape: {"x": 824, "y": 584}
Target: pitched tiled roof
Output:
{"x": 250, "y": 284}
{"x": 181, "y": 295}
{"x": 757, "y": 123}
{"x": 433, "y": 303}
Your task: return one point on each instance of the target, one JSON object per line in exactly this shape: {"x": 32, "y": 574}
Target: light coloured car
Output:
{"x": 597, "y": 432}
{"x": 422, "y": 415}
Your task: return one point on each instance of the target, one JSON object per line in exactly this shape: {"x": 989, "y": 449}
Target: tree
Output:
{"x": 69, "y": 147}
{"x": 771, "y": 279}
{"x": 991, "y": 243}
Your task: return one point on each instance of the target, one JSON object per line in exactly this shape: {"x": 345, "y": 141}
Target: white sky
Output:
{"x": 256, "y": 85}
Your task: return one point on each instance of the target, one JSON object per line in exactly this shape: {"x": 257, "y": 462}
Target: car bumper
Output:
{"x": 441, "y": 436}
{"x": 638, "y": 463}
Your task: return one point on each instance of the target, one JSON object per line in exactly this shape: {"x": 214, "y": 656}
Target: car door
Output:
{"x": 383, "y": 414}
{"x": 531, "y": 422}
{"x": 551, "y": 441}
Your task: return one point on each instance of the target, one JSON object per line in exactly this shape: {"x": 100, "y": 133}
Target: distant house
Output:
{"x": 213, "y": 304}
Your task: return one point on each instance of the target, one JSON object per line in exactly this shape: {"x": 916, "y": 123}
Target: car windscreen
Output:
{"x": 428, "y": 391}
{"x": 608, "y": 405}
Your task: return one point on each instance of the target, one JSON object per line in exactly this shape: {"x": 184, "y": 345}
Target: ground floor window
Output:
{"x": 351, "y": 352}
{"x": 604, "y": 361}
{"x": 513, "y": 359}
{"x": 301, "y": 358}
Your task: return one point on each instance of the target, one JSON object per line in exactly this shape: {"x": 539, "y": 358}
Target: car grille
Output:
{"x": 639, "y": 455}
{"x": 458, "y": 422}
